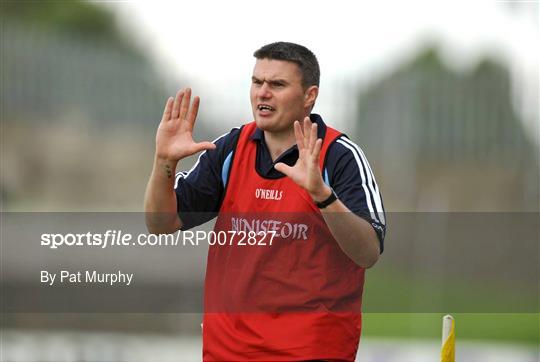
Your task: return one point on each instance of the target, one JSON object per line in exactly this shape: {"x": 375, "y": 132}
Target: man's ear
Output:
{"x": 310, "y": 95}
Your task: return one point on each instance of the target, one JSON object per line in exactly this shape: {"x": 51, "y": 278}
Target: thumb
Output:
{"x": 202, "y": 146}
{"x": 283, "y": 168}
{"x": 206, "y": 145}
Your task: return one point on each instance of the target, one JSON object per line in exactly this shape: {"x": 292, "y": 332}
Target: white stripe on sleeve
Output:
{"x": 368, "y": 180}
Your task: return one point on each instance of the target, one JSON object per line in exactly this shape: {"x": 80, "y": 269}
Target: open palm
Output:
{"x": 174, "y": 138}
{"x": 305, "y": 172}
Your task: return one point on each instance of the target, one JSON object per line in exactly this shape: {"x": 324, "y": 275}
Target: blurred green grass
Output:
{"x": 410, "y": 291}
{"x": 406, "y": 305}
{"x": 492, "y": 327}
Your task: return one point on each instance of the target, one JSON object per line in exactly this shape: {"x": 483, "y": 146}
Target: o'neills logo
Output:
{"x": 268, "y": 194}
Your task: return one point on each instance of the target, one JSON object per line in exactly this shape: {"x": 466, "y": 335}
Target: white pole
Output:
{"x": 446, "y": 327}
{"x": 448, "y": 349}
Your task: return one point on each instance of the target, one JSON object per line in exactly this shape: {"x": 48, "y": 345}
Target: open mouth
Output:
{"x": 265, "y": 108}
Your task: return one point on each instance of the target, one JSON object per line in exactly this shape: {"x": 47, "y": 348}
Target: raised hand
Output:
{"x": 174, "y": 138}
{"x": 306, "y": 172}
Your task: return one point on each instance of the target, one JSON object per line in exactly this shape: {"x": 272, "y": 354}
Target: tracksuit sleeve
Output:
{"x": 348, "y": 172}
{"x": 199, "y": 191}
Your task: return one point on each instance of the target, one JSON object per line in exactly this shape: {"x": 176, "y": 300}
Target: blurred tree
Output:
{"x": 69, "y": 57}
{"x": 74, "y": 15}
{"x": 456, "y": 133}
{"x": 82, "y": 99}
{"x": 77, "y": 17}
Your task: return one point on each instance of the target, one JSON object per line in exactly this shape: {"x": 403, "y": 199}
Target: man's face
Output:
{"x": 277, "y": 96}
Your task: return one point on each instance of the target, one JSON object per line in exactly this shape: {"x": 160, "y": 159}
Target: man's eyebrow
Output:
{"x": 281, "y": 81}
{"x": 273, "y": 81}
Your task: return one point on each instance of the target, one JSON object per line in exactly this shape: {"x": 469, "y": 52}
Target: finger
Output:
{"x": 192, "y": 116}
{"x": 184, "y": 106}
{"x": 176, "y": 105}
{"x": 201, "y": 146}
{"x": 312, "y": 137}
{"x": 307, "y": 124}
{"x": 168, "y": 109}
{"x": 283, "y": 168}
{"x": 298, "y": 135}
{"x": 317, "y": 151}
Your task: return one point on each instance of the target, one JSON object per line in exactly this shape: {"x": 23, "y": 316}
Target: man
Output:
{"x": 306, "y": 188}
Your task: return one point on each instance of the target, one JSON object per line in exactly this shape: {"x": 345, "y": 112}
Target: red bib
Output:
{"x": 279, "y": 288}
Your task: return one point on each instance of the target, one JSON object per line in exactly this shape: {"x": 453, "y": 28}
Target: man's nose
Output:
{"x": 264, "y": 91}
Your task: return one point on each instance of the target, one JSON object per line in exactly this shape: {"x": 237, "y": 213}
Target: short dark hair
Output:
{"x": 296, "y": 53}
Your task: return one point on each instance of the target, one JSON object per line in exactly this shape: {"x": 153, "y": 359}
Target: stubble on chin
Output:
{"x": 276, "y": 128}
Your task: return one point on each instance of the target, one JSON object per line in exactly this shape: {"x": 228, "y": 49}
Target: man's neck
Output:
{"x": 278, "y": 143}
